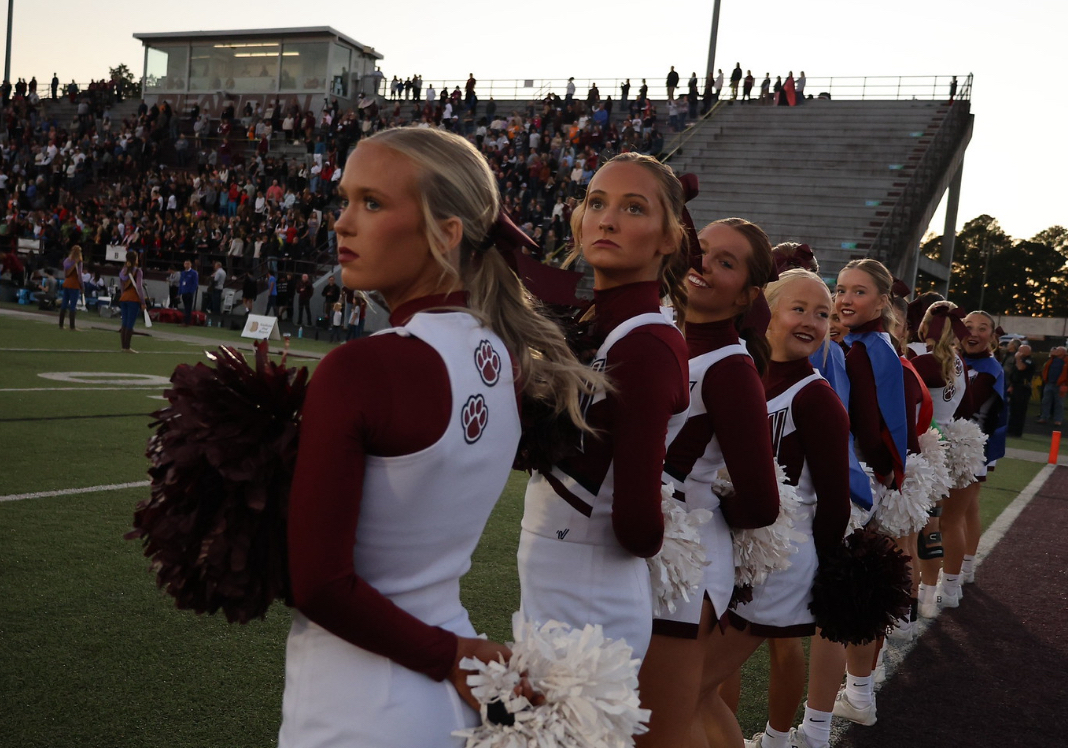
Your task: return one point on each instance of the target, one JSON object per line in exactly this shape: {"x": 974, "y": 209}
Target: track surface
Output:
{"x": 993, "y": 672}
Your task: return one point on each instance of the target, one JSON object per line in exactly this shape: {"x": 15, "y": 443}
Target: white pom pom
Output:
{"x": 759, "y": 552}
{"x": 858, "y": 515}
{"x": 678, "y": 569}
{"x": 966, "y": 457}
{"x": 590, "y": 685}
{"x": 903, "y": 512}
{"x": 936, "y": 452}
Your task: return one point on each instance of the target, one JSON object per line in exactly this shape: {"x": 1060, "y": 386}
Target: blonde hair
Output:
{"x": 674, "y": 266}
{"x": 774, "y": 290}
{"x": 945, "y": 348}
{"x": 75, "y": 250}
{"x": 884, "y": 283}
{"x": 455, "y": 182}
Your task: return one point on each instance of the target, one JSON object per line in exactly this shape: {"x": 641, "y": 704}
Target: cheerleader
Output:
{"x": 942, "y": 370}
{"x": 810, "y": 436}
{"x": 591, "y": 520}
{"x": 131, "y": 300}
{"x": 73, "y": 286}
{"x": 725, "y": 428}
{"x": 407, "y": 439}
{"x": 960, "y": 517}
{"x": 879, "y": 423}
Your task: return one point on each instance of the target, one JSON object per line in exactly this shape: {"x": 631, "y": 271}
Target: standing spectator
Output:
{"x": 1054, "y": 387}
{"x": 624, "y": 91}
{"x": 250, "y": 289}
{"x": 218, "y": 283}
{"x": 747, "y": 86}
{"x": 331, "y": 293}
{"x": 719, "y": 82}
{"x": 285, "y": 298}
{"x": 336, "y": 317}
{"x": 570, "y": 93}
{"x": 799, "y": 86}
{"x": 643, "y": 95}
{"x": 952, "y": 87}
{"x": 672, "y": 83}
{"x": 174, "y": 280}
{"x": 187, "y": 289}
{"x": 469, "y": 90}
{"x": 55, "y": 86}
{"x": 692, "y": 86}
{"x": 272, "y": 292}
{"x": 736, "y": 78}
{"x": 1018, "y": 387}
{"x": 593, "y": 97}
{"x": 305, "y": 289}
{"x": 357, "y": 316}
{"x": 765, "y": 89}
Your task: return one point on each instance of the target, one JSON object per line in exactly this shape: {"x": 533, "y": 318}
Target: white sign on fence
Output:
{"x": 260, "y": 327}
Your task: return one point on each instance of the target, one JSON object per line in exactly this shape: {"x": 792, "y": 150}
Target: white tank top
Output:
{"x": 946, "y": 399}
{"x": 422, "y": 514}
{"x": 546, "y": 512}
{"x": 781, "y": 419}
{"x": 698, "y": 484}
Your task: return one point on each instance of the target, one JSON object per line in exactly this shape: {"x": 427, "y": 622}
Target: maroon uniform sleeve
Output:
{"x": 913, "y": 404}
{"x": 980, "y": 390}
{"x": 864, "y": 416}
{"x": 929, "y": 370}
{"x": 380, "y": 395}
{"x": 823, "y": 425}
{"x": 734, "y": 398}
{"x": 649, "y": 371}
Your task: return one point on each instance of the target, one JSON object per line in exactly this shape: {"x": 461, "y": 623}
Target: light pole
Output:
{"x": 7, "y": 50}
{"x": 710, "y": 67}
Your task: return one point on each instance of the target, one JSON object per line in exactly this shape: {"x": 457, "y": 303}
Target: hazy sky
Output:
{"x": 1014, "y": 169}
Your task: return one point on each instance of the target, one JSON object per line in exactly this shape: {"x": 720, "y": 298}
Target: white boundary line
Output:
{"x": 68, "y": 389}
{"x": 90, "y": 350}
{"x": 69, "y": 491}
{"x": 894, "y": 653}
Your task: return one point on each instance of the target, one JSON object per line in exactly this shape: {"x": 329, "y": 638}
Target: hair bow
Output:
{"x": 690, "y": 190}
{"x": 939, "y": 315}
{"x": 900, "y": 288}
{"x": 794, "y": 256}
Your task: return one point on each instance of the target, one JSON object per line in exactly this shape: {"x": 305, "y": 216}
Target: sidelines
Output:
{"x": 70, "y": 491}
{"x": 68, "y": 389}
{"x": 895, "y": 653}
{"x": 91, "y": 350}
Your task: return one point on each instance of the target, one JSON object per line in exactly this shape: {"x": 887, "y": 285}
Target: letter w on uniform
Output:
{"x": 777, "y": 421}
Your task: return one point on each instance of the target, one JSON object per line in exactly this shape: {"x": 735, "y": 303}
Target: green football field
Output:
{"x": 93, "y": 653}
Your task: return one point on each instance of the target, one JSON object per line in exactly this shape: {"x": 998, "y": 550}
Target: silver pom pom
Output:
{"x": 759, "y": 552}
{"x": 678, "y": 569}
{"x": 590, "y": 685}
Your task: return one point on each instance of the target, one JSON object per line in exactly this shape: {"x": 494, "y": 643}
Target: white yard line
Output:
{"x": 69, "y": 491}
{"x": 68, "y": 389}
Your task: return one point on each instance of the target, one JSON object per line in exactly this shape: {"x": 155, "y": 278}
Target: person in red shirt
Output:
{"x": 407, "y": 439}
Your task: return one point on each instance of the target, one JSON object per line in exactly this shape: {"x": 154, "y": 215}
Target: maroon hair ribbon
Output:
{"x": 690, "y": 190}
{"x": 939, "y": 315}
{"x": 800, "y": 257}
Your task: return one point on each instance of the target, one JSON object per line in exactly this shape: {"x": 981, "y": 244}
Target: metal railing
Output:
{"x": 895, "y": 236}
{"x": 675, "y": 146}
{"x": 884, "y": 87}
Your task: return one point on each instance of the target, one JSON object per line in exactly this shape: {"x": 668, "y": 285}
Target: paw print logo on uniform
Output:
{"x": 474, "y": 417}
{"x": 488, "y": 362}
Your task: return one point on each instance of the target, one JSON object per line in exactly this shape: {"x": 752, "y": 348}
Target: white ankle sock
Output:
{"x": 928, "y": 593}
{"x": 859, "y": 690}
{"x": 968, "y": 566}
{"x": 817, "y": 726}
{"x": 773, "y": 738}
{"x": 951, "y": 583}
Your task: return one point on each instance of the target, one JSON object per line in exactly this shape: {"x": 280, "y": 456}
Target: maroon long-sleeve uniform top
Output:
{"x": 384, "y": 395}
{"x": 865, "y": 418}
{"x": 649, "y": 372}
{"x": 821, "y": 438}
{"x": 736, "y": 414}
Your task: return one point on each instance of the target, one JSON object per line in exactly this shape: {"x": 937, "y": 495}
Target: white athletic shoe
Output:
{"x": 755, "y": 741}
{"x": 902, "y": 631}
{"x": 967, "y": 577}
{"x": 948, "y": 599}
{"x": 845, "y": 709}
{"x": 879, "y": 673}
{"x": 929, "y": 610}
{"x": 798, "y": 739}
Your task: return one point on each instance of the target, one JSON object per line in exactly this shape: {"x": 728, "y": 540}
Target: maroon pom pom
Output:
{"x": 862, "y": 587}
{"x": 222, "y": 463}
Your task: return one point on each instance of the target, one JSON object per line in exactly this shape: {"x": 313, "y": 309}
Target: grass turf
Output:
{"x": 94, "y": 654}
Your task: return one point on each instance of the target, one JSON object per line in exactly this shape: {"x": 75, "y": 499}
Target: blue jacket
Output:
{"x": 189, "y": 281}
